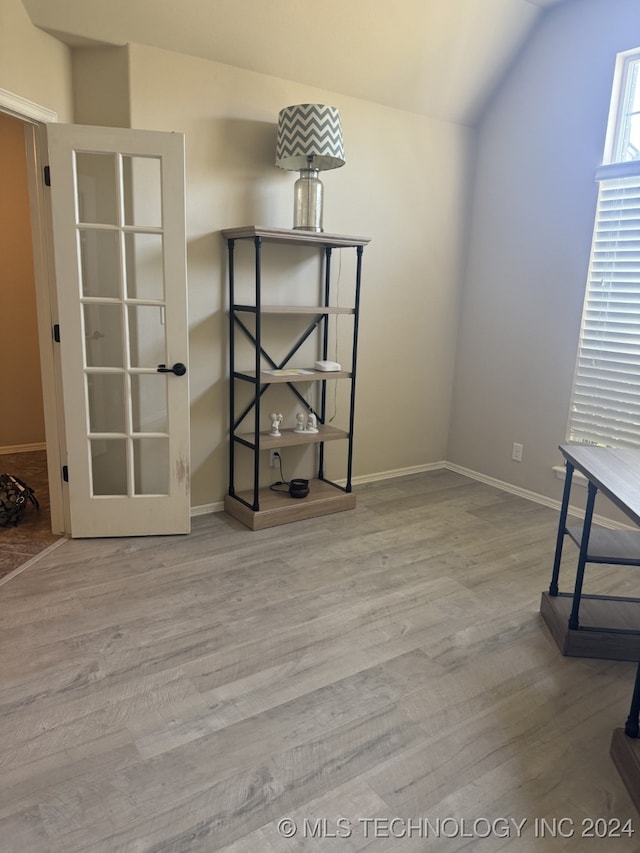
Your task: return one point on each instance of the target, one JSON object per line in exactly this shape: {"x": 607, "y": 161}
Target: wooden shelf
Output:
{"x": 289, "y": 438}
{"x": 311, "y": 376}
{"x": 294, "y": 236}
{"x": 278, "y": 508}
{"x": 610, "y": 546}
{"x": 304, "y": 310}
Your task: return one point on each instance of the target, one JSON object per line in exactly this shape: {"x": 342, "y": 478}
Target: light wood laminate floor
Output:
{"x": 358, "y": 674}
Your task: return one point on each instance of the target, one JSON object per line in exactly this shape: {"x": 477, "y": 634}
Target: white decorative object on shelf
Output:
{"x": 276, "y": 420}
{"x": 327, "y": 366}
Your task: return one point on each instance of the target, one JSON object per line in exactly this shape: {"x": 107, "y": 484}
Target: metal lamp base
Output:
{"x": 307, "y": 201}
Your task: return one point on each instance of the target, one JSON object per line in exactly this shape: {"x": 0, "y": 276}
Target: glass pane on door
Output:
{"x": 97, "y": 188}
{"x": 109, "y": 466}
{"x": 99, "y": 263}
{"x": 106, "y": 398}
{"x": 149, "y": 402}
{"x": 151, "y": 465}
{"x": 141, "y": 180}
{"x": 147, "y": 346}
{"x": 144, "y": 266}
{"x": 103, "y": 335}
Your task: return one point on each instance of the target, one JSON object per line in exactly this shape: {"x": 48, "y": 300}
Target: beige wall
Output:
{"x": 33, "y": 65}
{"x": 532, "y": 220}
{"x": 403, "y": 185}
{"x": 21, "y": 421}
{"x": 101, "y": 86}
{"x": 520, "y": 224}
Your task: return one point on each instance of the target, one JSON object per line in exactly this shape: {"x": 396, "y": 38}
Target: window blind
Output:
{"x": 605, "y": 405}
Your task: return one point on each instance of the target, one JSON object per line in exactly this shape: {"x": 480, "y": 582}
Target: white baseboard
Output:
{"x": 22, "y": 448}
{"x": 465, "y": 472}
{"x": 578, "y": 477}
{"x": 398, "y": 472}
{"x": 535, "y": 497}
{"x": 207, "y": 509}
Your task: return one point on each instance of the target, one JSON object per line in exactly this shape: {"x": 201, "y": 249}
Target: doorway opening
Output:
{"x": 29, "y": 445}
{"x": 23, "y": 450}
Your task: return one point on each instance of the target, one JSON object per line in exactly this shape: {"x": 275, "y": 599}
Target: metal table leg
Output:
{"x": 562, "y": 528}
{"x": 584, "y": 551}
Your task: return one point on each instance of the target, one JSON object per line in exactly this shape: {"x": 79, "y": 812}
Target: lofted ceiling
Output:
{"x": 440, "y": 58}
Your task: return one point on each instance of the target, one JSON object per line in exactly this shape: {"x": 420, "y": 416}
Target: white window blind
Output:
{"x": 605, "y": 403}
{"x": 606, "y": 396}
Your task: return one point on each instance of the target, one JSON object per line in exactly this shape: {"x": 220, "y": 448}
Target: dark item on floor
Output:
{"x": 14, "y": 494}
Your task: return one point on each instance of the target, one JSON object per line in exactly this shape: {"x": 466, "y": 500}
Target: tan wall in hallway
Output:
{"x": 21, "y": 414}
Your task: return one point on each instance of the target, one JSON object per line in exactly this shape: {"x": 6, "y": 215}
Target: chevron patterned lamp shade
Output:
{"x": 309, "y": 140}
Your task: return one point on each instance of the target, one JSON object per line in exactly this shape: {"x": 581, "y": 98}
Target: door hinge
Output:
{"x": 65, "y": 473}
{"x": 56, "y": 332}
{"x": 47, "y": 176}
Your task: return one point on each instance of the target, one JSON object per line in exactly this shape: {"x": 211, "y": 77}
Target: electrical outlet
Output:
{"x": 516, "y": 453}
{"x": 274, "y": 458}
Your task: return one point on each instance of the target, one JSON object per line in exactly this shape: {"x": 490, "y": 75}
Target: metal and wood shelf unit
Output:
{"x": 261, "y": 507}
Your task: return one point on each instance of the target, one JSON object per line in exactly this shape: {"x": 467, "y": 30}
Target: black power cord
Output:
{"x": 281, "y": 481}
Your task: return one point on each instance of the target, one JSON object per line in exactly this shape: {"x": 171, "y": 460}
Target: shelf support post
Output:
{"x": 354, "y": 352}
{"x": 232, "y": 355}
{"x": 258, "y": 352}
{"x": 325, "y": 352}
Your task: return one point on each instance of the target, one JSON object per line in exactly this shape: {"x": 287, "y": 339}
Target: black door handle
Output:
{"x": 178, "y": 368}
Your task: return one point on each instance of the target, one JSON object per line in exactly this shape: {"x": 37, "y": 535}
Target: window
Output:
{"x": 605, "y": 403}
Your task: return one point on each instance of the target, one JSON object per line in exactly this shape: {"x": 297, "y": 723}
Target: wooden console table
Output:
{"x": 598, "y": 626}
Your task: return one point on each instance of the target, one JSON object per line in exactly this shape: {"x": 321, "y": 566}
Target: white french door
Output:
{"x": 118, "y": 212}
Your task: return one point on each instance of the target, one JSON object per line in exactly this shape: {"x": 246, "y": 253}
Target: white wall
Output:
{"x": 403, "y": 185}
{"x": 33, "y": 65}
{"x": 531, "y": 224}
{"x": 408, "y": 184}
{"x": 101, "y": 86}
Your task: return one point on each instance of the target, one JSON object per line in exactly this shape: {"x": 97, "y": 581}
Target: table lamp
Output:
{"x": 309, "y": 140}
